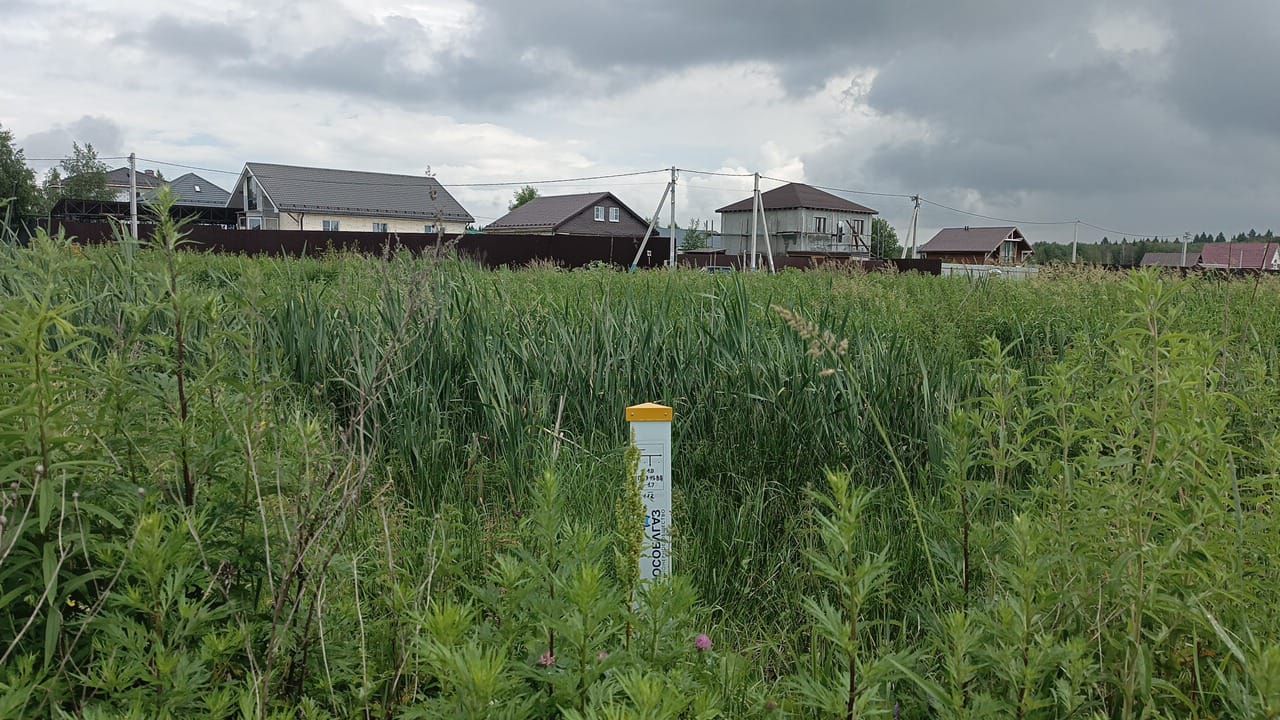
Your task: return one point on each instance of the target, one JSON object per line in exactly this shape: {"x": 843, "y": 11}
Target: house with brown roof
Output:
{"x": 801, "y": 219}
{"x": 978, "y": 246}
{"x": 597, "y": 214}
{"x": 1244, "y": 256}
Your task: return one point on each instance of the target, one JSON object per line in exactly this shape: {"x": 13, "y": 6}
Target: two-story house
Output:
{"x": 291, "y": 197}
{"x": 801, "y": 219}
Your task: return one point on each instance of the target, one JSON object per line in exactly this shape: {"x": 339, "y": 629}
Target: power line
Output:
{"x": 610, "y": 176}
{"x": 508, "y": 183}
{"x": 189, "y": 167}
{"x": 719, "y": 174}
{"x": 842, "y": 190}
{"x": 1122, "y": 233}
{"x": 998, "y": 219}
{"x": 504, "y": 183}
{"x": 111, "y": 157}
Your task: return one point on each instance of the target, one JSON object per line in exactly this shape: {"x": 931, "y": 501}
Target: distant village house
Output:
{"x": 978, "y": 246}
{"x": 801, "y": 220}
{"x": 1240, "y": 256}
{"x": 597, "y": 214}
{"x": 1170, "y": 259}
{"x": 291, "y": 197}
{"x": 190, "y": 188}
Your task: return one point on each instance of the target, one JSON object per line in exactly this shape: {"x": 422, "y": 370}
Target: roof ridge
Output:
{"x": 431, "y": 178}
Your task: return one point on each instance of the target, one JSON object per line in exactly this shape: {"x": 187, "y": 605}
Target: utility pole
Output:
{"x": 915, "y": 217}
{"x": 764, "y": 225}
{"x": 653, "y": 221}
{"x": 1075, "y": 234}
{"x": 1186, "y": 238}
{"x": 673, "y": 217}
{"x": 133, "y": 195}
{"x": 755, "y": 214}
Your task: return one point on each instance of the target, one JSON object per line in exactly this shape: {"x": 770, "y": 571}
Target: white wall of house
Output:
{"x": 363, "y": 223}
{"x": 792, "y": 230}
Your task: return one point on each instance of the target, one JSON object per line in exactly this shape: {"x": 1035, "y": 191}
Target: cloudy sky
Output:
{"x": 1148, "y": 117}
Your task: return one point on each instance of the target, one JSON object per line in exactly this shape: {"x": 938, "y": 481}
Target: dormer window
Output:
{"x": 599, "y": 213}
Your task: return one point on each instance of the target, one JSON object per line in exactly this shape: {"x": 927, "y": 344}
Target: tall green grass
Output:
{"x": 1065, "y": 485}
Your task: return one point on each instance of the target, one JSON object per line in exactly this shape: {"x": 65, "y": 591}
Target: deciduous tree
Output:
{"x": 522, "y": 196}
{"x": 884, "y": 239}
{"x": 19, "y": 195}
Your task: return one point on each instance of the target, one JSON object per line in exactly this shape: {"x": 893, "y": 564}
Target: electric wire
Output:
{"x": 502, "y": 183}
{"x": 995, "y": 218}
{"x": 610, "y": 176}
{"x": 842, "y": 190}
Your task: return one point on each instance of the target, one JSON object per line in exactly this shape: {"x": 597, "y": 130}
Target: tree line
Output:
{"x": 23, "y": 198}
{"x": 1130, "y": 251}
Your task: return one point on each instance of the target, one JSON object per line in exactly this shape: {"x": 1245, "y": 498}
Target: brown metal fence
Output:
{"x": 493, "y": 251}
{"x": 489, "y": 250}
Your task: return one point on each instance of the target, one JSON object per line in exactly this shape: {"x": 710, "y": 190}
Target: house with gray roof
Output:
{"x": 1003, "y": 245}
{"x": 801, "y": 219}
{"x": 597, "y": 214}
{"x": 291, "y": 197}
{"x": 191, "y": 189}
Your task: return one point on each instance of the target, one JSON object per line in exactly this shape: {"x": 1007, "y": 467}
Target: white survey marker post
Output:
{"x": 651, "y": 436}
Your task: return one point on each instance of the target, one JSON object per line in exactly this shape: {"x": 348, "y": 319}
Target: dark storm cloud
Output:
{"x": 1047, "y": 112}
{"x": 528, "y": 49}
{"x": 369, "y": 59}
{"x": 1018, "y": 97}
{"x": 1224, "y": 67}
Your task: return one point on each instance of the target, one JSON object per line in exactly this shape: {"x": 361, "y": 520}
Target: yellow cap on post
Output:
{"x": 649, "y": 412}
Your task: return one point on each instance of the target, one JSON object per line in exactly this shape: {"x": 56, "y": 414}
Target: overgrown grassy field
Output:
{"x": 352, "y": 487}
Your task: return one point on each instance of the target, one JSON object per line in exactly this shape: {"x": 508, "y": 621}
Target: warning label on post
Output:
{"x": 654, "y": 476}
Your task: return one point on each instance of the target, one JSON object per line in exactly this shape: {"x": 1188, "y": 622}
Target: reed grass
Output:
{"x": 365, "y": 434}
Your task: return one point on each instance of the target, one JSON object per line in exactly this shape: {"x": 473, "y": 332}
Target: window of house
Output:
{"x": 599, "y": 213}
{"x": 1008, "y": 251}
{"x": 613, "y": 214}
{"x": 819, "y": 224}
{"x": 329, "y": 225}
{"x": 429, "y": 229}
{"x": 379, "y": 227}
{"x": 253, "y": 223}
{"x": 857, "y": 226}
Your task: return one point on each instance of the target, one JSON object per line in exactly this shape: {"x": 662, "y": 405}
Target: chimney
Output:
{"x": 151, "y": 172}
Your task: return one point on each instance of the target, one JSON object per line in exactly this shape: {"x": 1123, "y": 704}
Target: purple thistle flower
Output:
{"x": 702, "y": 642}
{"x": 547, "y": 660}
